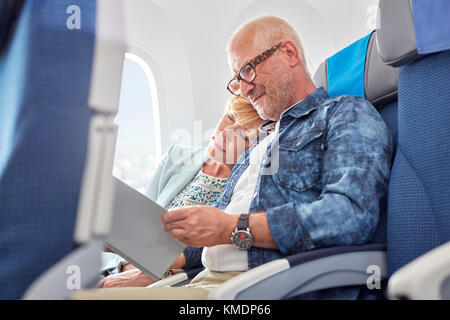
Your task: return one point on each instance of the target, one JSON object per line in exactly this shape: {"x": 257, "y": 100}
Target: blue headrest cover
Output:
{"x": 344, "y": 77}
{"x": 358, "y": 70}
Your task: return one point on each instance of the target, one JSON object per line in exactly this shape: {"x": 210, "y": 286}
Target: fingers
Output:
{"x": 174, "y": 225}
{"x": 131, "y": 278}
{"x": 101, "y": 284}
{"x": 179, "y": 234}
{"x": 107, "y": 284}
{"x": 174, "y": 215}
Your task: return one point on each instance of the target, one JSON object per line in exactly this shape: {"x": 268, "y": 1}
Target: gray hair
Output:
{"x": 267, "y": 32}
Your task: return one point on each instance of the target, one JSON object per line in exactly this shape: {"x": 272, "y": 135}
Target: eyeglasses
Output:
{"x": 248, "y": 71}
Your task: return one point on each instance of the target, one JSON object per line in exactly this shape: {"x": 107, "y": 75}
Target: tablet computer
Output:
{"x": 137, "y": 232}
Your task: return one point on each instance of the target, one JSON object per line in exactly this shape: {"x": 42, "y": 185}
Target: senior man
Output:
{"x": 317, "y": 178}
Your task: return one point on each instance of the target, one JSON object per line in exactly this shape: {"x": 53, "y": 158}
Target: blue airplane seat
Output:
{"x": 44, "y": 120}
{"x": 60, "y": 73}
{"x": 419, "y": 216}
{"x": 417, "y": 41}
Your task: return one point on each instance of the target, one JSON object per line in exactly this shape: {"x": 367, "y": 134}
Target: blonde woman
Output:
{"x": 190, "y": 176}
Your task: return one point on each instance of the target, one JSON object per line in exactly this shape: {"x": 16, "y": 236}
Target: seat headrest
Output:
{"x": 358, "y": 70}
{"x": 409, "y": 29}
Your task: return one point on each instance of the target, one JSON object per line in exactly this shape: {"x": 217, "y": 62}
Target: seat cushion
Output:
{"x": 419, "y": 202}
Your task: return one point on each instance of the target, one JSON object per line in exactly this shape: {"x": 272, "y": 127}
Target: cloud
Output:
{"x": 135, "y": 170}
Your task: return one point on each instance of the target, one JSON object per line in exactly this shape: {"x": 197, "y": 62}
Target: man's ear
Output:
{"x": 291, "y": 51}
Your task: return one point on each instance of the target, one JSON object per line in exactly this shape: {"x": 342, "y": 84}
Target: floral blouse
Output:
{"x": 202, "y": 190}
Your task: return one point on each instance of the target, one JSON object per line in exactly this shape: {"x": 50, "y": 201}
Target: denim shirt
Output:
{"x": 323, "y": 180}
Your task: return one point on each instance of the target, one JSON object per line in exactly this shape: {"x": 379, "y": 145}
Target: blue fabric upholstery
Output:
{"x": 44, "y": 119}
{"x": 389, "y": 115}
{"x": 432, "y": 25}
{"x": 419, "y": 201}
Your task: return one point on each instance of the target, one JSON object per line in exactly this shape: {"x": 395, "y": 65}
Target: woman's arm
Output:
{"x": 133, "y": 277}
{"x": 153, "y": 188}
{"x": 193, "y": 258}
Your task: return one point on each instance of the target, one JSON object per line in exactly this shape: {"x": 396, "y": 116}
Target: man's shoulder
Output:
{"x": 356, "y": 113}
{"x": 347, "y": 101}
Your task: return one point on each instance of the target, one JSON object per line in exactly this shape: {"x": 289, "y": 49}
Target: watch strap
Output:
{"x": 243, "y": 221}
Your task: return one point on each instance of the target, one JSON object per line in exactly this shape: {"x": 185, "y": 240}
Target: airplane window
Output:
{"x": 138, "y": 146}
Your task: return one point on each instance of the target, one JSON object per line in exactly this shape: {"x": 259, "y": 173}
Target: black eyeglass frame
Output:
{"x": 253, "y": 63}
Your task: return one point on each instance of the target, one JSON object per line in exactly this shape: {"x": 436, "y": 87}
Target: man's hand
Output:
{"x": 201, "y": 226}
{"x": 130, "y": 278}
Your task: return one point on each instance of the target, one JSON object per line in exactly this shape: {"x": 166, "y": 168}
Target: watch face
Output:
{"x": 242, "y": 239}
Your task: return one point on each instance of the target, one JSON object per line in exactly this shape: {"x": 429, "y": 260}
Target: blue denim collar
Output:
{"x": 308, "y": 104}
{"x": 301, "y": 108}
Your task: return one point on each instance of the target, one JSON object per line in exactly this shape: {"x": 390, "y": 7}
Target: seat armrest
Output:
{"x": 170, "y": 281}
{"x": 78, "y": 270}
{"x": 307, "y": 272}
{"x": 427, "y": 277}
{"x": 176, "y": 280}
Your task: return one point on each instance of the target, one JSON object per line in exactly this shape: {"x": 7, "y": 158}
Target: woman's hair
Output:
{"x": 246, "y": 115}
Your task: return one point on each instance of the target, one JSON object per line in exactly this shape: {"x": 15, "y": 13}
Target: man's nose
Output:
{"x": 246, "y": 88}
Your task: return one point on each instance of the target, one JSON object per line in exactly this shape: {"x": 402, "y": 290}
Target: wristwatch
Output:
{"x": 241, "y": 237}
{"x": 167, "y": 274}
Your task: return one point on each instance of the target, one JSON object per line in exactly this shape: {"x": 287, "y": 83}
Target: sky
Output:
{"x": 135, "y": 158}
